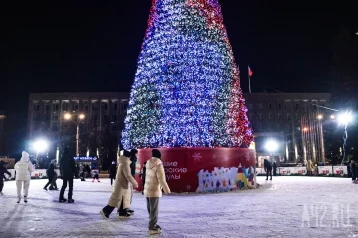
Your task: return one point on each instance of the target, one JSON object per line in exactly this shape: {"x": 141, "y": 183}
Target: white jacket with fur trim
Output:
{"x": 155, "y": 179}
{"x": 24, "y": 168}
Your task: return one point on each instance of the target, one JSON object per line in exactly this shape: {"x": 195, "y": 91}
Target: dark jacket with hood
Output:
{"x": 267, "y": 165}
{"x": 133, "y": 164}
{"x": 51, "y": 170}
{"x": 68, "y": 167}
{"x": 3, "y": 171}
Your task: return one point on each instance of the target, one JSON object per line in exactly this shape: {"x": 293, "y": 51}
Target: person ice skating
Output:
{"x": 268, "y": 169}
{"x": 52, "y": 176}
{"x": 68, "y": 171}
{"x": 353, "y": 171}
{"x": 274, "y": 168}
{"x": 309, "y": 167}
{"x": 133, "y": 164}
{"x": 23, "y": 170}
{"x": 77, "y": 170}
{"x": 142, "y": 175}
{"x": 3, "y": 171}
{"x": 95, "y": 176}
{"x": 83, "y": 173}
{"x": 121, "y": 187}
{"x": 155, "y": 182}
{"x": 112, "y": 171}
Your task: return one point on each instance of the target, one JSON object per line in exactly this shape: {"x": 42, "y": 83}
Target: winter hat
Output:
{"x": 25, "y": 156}
{"x": 126, "y": 153}
{"x": 156, "y": 153}
{"x": 134, "y": 151}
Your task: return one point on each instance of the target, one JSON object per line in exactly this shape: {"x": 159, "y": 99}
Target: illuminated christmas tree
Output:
{"x": 186, "y": 91}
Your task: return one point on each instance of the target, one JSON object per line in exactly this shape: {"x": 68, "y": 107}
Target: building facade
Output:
{"x": 282, "y": 114}
{"x": 102, "y": 110}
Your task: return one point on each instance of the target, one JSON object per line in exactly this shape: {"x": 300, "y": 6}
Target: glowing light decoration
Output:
{"x": 186, "y": 91}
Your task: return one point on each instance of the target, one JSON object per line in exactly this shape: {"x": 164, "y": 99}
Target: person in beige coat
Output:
{"x": 120, "y": 190}
{"x": 154, "y": 183}
{"x": 309, "y": 167}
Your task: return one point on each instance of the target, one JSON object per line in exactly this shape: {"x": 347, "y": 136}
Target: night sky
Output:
{"x": 50, "y": 46}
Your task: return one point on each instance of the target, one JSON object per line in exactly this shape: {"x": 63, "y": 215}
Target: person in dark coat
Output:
{"x": 142, "y": 175}
{"x": 268, "y": 169}
{"x": 68, "y": 171}
{"x": 88, "y": 171}
{"x": 274, "y": 166}
{"x": 3, "y": 171}
{"x": 353, "y": 171}
{"x": 50, "y": 172}
{"x": 112, "y": 171}
{"x": 132, "y": 166}
{"x": 77, "y": 169}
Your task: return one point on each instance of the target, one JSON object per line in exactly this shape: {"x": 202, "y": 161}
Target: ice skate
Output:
{"x": 156, "y": 230}
{"x": 130, "y": 212}
{"x": 71, "y": 200}
{"x": 62, "y": 200}
{"x": 18, "y": 200}
{"x": 124, "y": 216}
{"x": 105, "y": 215}
{"x": 25, "y": 199}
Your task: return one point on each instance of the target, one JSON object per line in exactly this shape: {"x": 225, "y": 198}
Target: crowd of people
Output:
{"x": 122, "y": 179}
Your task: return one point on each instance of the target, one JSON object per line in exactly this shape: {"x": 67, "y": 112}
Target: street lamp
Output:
{"x": 344, "y": 119}
{"x": 271, "y": 146}
{"x": 80, "y": 117}
{"x": 40, "y": 146}
{"x": 320, "y": 117}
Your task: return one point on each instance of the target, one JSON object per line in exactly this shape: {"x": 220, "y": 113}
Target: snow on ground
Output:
{"x": 285, "y": 207}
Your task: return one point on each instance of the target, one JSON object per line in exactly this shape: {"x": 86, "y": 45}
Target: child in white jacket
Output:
{"x": 23, "y": 170}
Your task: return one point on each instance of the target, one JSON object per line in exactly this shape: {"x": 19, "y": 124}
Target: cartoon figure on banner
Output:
{"x": 217, "y": 185}
{"x": 226, "y": 179}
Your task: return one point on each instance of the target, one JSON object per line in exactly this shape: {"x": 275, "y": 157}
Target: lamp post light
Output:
{"x": 68, "y": 117}
{"x": 321, "y": 138}
{"x": 345, "y": 119}
{"x": 271, "y": 146}
{"x": 40, "y": 146}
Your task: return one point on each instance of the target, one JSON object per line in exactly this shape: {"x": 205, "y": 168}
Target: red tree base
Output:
{"x": 204, "y": 169}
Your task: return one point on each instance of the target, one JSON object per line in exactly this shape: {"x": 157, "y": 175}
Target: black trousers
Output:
{"x": 49, "y": 182}
{"x": 112, "y": 180}
{"x": 268, "y": 172}
{"x": 1, "y": 184}
{"x": 108, "y": 209}
{"x": 64, "y": 186}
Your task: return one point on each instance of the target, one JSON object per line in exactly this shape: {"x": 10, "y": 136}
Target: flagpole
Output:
{"x": 249, "y": 74}
{"x": 249, "y": 84}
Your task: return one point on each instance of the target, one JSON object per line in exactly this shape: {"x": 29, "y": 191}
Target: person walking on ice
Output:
{"x": 121, "y": 186}
{"x": 154, "y": 183}
{"x": 95, "y": 175}
{"x": 3, "y": 171}
{"x": 23, "y": 170}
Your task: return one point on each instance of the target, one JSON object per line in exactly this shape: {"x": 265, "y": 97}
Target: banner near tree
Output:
{"x": 204, "y": 169}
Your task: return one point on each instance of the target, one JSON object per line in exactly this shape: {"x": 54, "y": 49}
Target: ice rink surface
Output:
{"x": 284, "y": 207}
